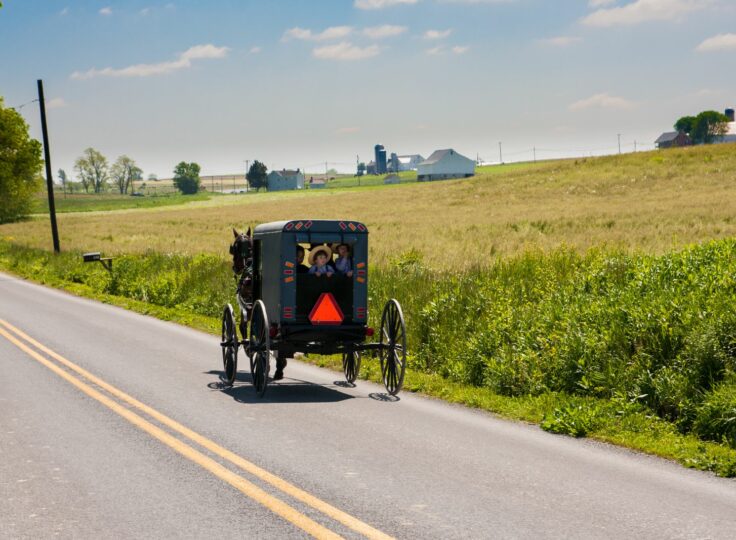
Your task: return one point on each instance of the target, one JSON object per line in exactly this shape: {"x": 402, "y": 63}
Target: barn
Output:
{"x": 443, "y": 164}
{"x": 285, "y": 179}
{"x": 672, "y": 139}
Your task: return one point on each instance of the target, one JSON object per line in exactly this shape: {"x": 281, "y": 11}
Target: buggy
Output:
{"x": 284, "y": 311}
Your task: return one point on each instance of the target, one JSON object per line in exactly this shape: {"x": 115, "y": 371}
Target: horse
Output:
{"x": 242, "y": 252}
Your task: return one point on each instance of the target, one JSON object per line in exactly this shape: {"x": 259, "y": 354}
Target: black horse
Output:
{"x": 242, "y": 252}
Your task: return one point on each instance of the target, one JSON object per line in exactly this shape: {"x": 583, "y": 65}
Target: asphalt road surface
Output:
{"x": 114, "y": 425}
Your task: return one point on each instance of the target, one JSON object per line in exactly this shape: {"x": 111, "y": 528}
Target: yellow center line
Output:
{"x": 254, "y": 492}
{"x": 279, "y": 483}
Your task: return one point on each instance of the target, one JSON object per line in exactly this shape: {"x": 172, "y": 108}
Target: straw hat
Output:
{"x": 319, "y": 249}
{"x": 336, "y": 245}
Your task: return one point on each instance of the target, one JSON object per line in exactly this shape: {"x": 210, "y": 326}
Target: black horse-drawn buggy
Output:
{"x": 284, "y": 309}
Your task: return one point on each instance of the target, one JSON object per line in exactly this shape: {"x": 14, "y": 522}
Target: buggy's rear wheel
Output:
{"x": 393, "y": 347}
{"x": 351, "y": 365}
{"x": 229, "y": 346}
{"x": 259, "y": 348}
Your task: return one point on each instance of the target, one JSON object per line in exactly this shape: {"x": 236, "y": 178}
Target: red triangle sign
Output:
{"x": 326, "y": 310}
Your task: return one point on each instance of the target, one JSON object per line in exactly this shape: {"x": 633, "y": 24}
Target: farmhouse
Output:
{"x": 284, "y": 180}
{"x": 444, "y": 164}
{"x": 672, "y": 139}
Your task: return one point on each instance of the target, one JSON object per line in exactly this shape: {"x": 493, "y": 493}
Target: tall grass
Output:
{"x": 657, "y": 332}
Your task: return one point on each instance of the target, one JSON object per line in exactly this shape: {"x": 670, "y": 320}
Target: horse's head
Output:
{"x": 242, "y": 250}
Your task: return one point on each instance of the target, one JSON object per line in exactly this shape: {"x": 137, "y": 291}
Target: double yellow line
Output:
{"x": 276, "y": 505}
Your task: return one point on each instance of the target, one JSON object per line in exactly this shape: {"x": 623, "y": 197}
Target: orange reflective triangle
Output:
{"x": 326, "y": 310}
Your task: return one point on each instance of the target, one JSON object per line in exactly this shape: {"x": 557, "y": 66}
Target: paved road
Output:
{"x": 146, "y": 444}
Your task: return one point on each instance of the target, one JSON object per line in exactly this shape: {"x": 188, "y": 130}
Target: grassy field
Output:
{"x": 651, "y": 202}
{"x": 110, "y": 201}
{"x": 592, "y": 296}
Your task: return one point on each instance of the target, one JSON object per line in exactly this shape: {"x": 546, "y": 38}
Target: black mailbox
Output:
{"x": 91, "y": 257}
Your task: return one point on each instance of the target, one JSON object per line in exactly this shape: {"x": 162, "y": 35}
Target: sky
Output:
{"x": 301, "y": 83}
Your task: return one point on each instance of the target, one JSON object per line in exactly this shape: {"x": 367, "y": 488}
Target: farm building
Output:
{"x": 284, "y": 180}
{"x": 408, "y": 162}
{"x": 317, "y": 183}
{"x": 672, "y": 139}
{"x": 444, "y": 164}
{"x": 730, "y": 135}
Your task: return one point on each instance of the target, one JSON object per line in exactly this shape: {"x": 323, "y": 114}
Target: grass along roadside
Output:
{"x": 191, "y": 291}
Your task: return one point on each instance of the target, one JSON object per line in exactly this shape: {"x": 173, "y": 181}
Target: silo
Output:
{"x": 380, "y": 159}
{"x": 729, "y": 113}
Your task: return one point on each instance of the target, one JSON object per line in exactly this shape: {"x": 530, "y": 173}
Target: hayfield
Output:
{"x": 650, "y": 202}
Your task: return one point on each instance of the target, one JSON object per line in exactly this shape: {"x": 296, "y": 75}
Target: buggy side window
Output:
{"x": 257, "y": 270}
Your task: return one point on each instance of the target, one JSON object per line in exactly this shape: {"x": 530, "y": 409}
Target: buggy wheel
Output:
{"x": 351, "y": 365}
{"x": 393, "y": 347}
{"x": 260, "y": 348}
{"x": 229, "y": 346}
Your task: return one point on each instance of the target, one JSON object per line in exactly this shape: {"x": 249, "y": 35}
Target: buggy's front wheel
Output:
{"x": 229, "y": 346}
{"x": 393, "y": 347}
{"x": 259, "y": 346}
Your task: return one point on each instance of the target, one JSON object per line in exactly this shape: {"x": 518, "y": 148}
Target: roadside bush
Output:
{"x": 716, "y": 417}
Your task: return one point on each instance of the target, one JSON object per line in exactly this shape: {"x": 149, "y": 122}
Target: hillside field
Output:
{"x": 650, "y": 202}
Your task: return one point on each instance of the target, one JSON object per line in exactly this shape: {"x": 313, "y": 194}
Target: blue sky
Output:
{"x": 301, "y": 82}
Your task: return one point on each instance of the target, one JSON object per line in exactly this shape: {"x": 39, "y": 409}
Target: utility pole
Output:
{"x": 635, "y": 147}
{"x": 49, "y": 178}
{"x": 247, "y": 168}
{"x": 500, "y": 154}
{"x": 619, "y": 143}
{"x": 535, "y": 153}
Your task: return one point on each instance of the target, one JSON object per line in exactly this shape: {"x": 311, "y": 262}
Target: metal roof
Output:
{"x": 312, "y": 225}
{"x": 667, "y": 137}
{"x": 438, "y": 155}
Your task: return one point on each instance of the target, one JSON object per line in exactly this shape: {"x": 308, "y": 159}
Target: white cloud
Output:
{"x": 348, "y": 130}
{"x": 55, "y": 103}
{"x": 384, "y": 31}
{"x": 145, "y": 11}
{"x": 601, "y": 101}
{"x": 345, "y": 51}
{"x": 721, "y": 42}
{"x": 560, "y": 41}
{"x": 333, "y": 32}
{"x": 435, "y": 50}
{"x": 380, "y": 4}
{"x": 64, "y": 11}
{"x": 460, "y": 49}
{"x": 640, "y": 11}
{"x": 600, "y": 3}
{"x": 106, "y": 11}
{"x": 184, "y": 60}
{"x": 255, "y": 50}
{"x": 437, "y": 34}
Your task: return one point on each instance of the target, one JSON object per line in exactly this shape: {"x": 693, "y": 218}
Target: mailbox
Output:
{"x": 91, "y": 257}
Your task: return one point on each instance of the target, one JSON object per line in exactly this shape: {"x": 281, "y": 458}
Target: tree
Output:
{"x": 186, "y": 178}
{"x": 62, "y": 176}
{"x": 124, "y": 171}
{"x": 152, "y": 178}
{"x": 92, "y": 170}
{"x": 708, "y": 126}
{"x": 20, "y": 166}
{"x": 256, "y": 176}
{"x": 361, "y": 168}
{"x": 685, "y": 124}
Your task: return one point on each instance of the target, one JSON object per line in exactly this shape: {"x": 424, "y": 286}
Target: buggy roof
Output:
{"x": 312, "y": 226}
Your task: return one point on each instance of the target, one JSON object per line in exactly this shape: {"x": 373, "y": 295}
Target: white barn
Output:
{"x": 444, "y": 164}
{"x": 284, "y": 180}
